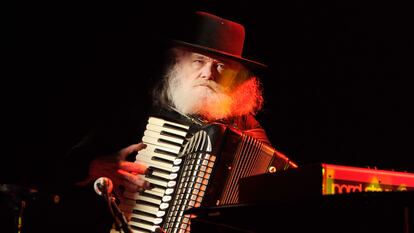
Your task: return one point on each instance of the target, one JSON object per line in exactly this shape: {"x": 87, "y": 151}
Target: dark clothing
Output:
{"x": 83, "y": 208}
{"x": 114, "y": 136}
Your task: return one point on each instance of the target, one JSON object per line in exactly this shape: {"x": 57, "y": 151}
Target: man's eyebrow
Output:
{"x": 204, "y": 57}
{"x": 218, "y": 60}
{"x": 199, "y": 56}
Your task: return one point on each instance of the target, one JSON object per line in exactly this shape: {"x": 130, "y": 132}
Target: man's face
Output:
{"x": 211, "y": 87}
{"x": 209, "y": 73}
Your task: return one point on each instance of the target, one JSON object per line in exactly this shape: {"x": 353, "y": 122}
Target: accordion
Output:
{"x": 189, "y": 170}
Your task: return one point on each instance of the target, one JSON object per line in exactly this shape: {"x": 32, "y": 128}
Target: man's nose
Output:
{"x": 208, "y": 71}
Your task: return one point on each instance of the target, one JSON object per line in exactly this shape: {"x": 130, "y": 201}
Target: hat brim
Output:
{"x": 248, "y": 63}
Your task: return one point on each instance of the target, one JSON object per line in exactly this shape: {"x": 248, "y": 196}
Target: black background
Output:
{"x": 336, "y": 90}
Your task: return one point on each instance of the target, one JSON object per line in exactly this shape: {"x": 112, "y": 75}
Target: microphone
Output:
{"x": 103, "y": 186}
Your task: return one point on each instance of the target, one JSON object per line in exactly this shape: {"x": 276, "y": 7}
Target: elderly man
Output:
{"x": 206, "y": 80}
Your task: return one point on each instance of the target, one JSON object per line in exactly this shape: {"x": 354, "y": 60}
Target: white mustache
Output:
{"x": 208, "y": 83}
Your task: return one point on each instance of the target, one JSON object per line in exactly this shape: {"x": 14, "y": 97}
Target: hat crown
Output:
{"x": 209, "y": 33}
{"x": 219, "y": 34}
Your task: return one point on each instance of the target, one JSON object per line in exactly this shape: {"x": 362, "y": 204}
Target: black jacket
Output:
{"x": 81, "y": 207}
{"x": 115, "y": 134}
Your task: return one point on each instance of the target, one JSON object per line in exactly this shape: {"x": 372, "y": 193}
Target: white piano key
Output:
{"x": 155, "y": 191}
{"x": 157, "y": 128}
{"x": 153, "y": 156}
{"x": 161, "y": 122}
{"x": 156, "y": 221}
{"x": 168, "y": 138}
{"x": 151, "y": 151}
{"x": 146, "y": 157}
{"x": 157, "y": 182}
{"x": 142, "y": 225}
{"x": 148, "y": 209}
{"x": 157, "y": 164}
{"x": 153, "y": 147}
{"x": 133, "y": 231}
{"x": 167, "y": 176}
{"x": 151, "y": 140}
{"x": 149, "y": 199}
{"x": 164, "y": 156}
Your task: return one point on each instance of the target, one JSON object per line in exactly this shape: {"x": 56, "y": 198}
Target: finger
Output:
{"x": 141, "y": 146}
{"x": 133, "y": 188}
{"x": 137, "y": 168}
{"x": 119, "y": 192}
{"x": 135, "y": 181}
{"x": 131, "y": 149}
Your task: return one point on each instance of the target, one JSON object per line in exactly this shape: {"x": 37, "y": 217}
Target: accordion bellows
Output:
{"x": 192, "y": 170}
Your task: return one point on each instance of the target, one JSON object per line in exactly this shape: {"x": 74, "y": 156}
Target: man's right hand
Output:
{"x": 124, "y": 174}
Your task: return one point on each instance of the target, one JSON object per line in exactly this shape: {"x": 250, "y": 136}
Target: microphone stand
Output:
{"x": 117, "y": 214}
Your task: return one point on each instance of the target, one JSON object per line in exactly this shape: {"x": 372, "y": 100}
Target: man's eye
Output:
{"x": 198, "y": 63}
{"x": 221, "y": 67}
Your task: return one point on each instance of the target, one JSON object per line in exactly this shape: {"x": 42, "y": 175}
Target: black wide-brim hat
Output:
{"x": 214, "y": 35}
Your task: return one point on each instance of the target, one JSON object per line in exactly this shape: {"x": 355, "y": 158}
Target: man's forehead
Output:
{"x": 210, "y": 56}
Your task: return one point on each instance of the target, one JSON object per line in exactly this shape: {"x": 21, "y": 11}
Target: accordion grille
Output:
{"x": 246, "y": 158}
{"x": 193, "y": 182}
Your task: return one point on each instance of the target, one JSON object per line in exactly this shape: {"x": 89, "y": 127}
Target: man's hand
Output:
{"x": 124, "y": 174}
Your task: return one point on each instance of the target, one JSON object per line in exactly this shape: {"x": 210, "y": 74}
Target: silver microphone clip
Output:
{"x": 103, "y": 186}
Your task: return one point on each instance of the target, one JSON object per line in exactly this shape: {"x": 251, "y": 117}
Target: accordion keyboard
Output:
{"x": 164, "y": 139}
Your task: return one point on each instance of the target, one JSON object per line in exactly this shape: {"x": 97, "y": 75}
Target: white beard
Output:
{"x": 210, "y": 100}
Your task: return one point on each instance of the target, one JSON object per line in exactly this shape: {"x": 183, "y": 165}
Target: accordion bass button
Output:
{"x": 169, "y": 191}
{"x": 164, "y": 206}
{"x": 166, "y": 198}
{"x": 175, "y": 169}
{"x": 173, "y": 176}
{"x": 171, "y": 183}
{"x": 160, "y": 213}
{"x": 157, "y": 221}
{"x": 177, "y": 161}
